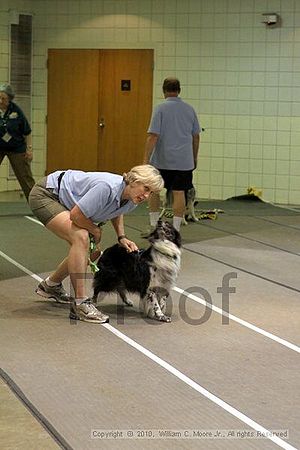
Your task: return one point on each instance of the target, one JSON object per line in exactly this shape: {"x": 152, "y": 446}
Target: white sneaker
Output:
{"x": 87, "y": 312}
{"x": 57, "y": 292}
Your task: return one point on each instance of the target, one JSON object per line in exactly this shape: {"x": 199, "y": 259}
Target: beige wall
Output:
{"x": 242, "y": 78}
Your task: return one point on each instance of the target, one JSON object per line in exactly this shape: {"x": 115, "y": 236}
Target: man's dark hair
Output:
{"x": 171, "y": 85}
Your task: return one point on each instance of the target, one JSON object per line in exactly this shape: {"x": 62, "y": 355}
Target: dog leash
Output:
{"x": 92, "y": 249}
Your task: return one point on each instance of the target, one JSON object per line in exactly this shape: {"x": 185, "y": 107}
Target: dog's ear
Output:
{"x": 176, "y": 234}
{"x": 153, "y": 236}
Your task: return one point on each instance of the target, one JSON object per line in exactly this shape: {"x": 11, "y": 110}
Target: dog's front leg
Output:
{"x": 153, "y": 307}
{"x": 163, "y": 303}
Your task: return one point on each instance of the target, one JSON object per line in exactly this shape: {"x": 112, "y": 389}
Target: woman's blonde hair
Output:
{"x": 147, "y": 175}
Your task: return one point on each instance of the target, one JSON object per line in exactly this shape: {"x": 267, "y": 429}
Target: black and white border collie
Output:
{"x": 151, "y": 273}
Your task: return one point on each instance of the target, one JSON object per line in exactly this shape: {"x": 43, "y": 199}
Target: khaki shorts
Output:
{"x": 44, "y": 203}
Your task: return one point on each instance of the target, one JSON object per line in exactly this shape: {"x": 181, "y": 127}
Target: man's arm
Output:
{"x": 150, "y": 144}
{"x": 196, "y": 142}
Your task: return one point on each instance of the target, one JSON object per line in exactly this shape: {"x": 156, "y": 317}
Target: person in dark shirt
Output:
{"x": 15, "y": 139}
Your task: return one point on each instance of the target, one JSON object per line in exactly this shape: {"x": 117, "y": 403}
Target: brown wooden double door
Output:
{"x": 99, "y": 107}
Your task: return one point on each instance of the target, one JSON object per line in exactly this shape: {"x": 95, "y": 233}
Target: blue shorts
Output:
{"x": 177, "y": 180}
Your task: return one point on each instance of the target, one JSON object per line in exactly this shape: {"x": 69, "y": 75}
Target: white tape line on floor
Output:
{"x": 197, "y": 387}
{"x": 15, "y": 263}
{"x": 238, "y": 320}
{"x": 34, "y": 220}
{"x": 178, "y": 374}
{"x": 220, "y": 311}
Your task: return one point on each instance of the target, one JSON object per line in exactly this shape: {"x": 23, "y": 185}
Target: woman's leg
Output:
{"x": 75, "y": 264}
{"x": 61, "y": 272}
{"x": 46, "y": 207}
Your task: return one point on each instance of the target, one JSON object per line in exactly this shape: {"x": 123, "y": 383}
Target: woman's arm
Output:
{"x": 118, "y": 224}
{"x": 81, "y": 221}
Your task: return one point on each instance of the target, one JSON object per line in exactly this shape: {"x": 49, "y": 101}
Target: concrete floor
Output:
{"x": 225, "y": 370}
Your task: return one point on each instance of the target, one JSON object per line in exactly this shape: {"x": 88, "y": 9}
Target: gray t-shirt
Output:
{"x": 97, "y": 194}
{"x": 175, "y": 122}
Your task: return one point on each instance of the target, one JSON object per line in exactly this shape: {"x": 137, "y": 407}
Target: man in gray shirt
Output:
{"x": 172, "y": 147}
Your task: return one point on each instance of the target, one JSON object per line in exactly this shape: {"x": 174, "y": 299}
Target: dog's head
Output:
{"x": 164, "y": 231}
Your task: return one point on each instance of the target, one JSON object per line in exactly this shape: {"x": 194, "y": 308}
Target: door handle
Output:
{"x": 102, "y": 123}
